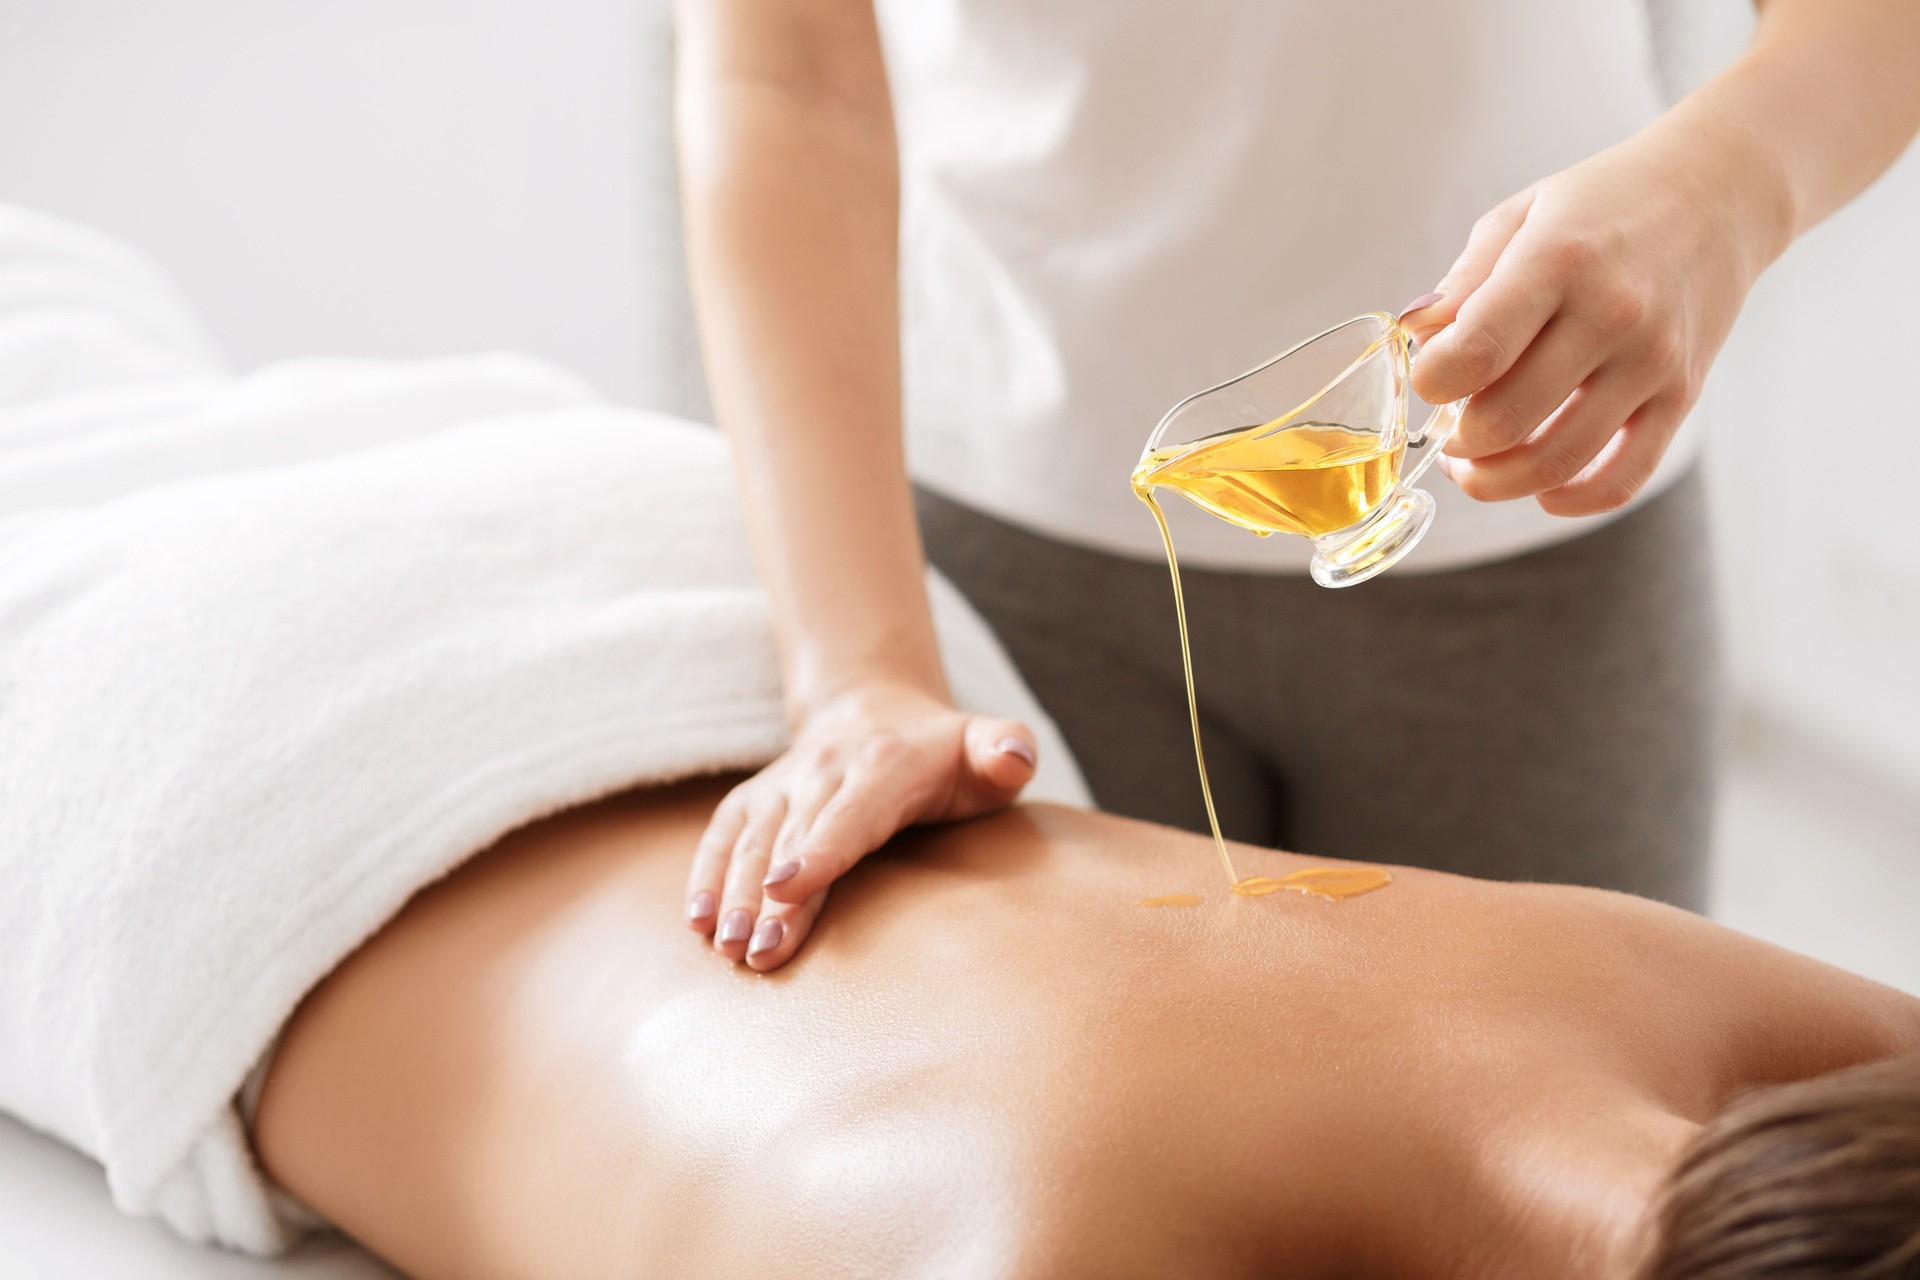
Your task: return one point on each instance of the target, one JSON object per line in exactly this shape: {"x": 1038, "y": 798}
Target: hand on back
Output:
{"x": 862, "y": 767}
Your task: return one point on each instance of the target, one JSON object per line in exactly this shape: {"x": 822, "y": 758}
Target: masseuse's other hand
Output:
{"x": 1584, "y": 313}
{"x": 861, "y": 768}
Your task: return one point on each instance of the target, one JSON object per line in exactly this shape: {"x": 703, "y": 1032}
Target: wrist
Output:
{"x": 1732, "y": 136}
{"x": 863, "y": 688}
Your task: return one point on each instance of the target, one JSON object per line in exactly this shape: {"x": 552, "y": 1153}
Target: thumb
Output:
{"x": 1485, "y": 243}
{"x": 1001, "y": 757}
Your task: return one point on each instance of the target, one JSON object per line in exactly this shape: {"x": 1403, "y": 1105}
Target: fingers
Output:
{"x": 783, "y": 926}
{"x": 746, "y": 867}
{"x": 804, "y": 806}
{"x": 1506, "y": 413}
{"x": 1493, "y": 328}
{"x": 724, "y": 893}
{"x": 1625, "y": 464}
{"x": 864, "y": 812}
{"x": 710, "y": 856}
{"x": 1559, "y": 450}
{"x": 1485, "y": 243}
{"x": 882, "y": 792}
{"x": 1001, "y": 759}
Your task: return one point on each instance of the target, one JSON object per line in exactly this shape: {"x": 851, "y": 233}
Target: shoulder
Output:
{"x": 1717, "y": 1011}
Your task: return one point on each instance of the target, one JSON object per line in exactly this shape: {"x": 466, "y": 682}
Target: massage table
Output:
{"x": 57, "y": 1221}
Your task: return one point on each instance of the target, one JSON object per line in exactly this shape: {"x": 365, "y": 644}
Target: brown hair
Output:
{"x": 1819, "y": 1179}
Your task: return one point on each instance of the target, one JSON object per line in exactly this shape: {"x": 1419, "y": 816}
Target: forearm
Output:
{"x": 1823, "y": 101}
{"x": 791, "y": 195}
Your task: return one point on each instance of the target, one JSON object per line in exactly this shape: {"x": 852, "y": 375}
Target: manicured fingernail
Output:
{"x": 734, "y": 927}
{"x": 700, "y": 905}
{"x": 782, "y": 873}
{"x": 1015, "y": 747}
{"x": 1424, "y": 300}
{"x": 769, "y": 935}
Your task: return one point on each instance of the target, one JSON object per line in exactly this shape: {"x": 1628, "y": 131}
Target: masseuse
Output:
{"x": 985, "y": 244}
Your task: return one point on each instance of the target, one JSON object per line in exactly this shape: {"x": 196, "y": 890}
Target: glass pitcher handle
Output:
{"x": 1435, "y": 432}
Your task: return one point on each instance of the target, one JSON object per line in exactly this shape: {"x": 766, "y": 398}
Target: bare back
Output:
{"x": 993, "y": 1061}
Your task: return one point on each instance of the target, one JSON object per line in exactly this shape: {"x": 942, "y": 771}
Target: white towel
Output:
{"x": 277, "y": 651}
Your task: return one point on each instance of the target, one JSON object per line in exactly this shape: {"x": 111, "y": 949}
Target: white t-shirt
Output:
{"x": 1110, "y": 204}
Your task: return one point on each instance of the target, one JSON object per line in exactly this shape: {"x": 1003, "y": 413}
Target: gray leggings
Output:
{"x": 1549, "y": 717}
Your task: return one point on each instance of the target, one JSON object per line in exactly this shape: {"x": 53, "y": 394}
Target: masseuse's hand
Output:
{"x": 1584, "y": 313}
{"x": 863, "y": 766}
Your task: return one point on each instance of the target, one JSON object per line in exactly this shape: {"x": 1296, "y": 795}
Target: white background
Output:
{"x": 414, "y": 177}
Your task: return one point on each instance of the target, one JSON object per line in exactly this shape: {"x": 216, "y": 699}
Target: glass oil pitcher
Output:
{"x": 1314, "y": 443}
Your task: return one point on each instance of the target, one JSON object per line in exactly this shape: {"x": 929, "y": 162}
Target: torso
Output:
{"x": 1108, "y": 207}
{"x": 990, "y": 1060}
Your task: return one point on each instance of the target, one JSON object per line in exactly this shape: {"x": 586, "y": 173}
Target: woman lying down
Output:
{"x": 358, "y": 725}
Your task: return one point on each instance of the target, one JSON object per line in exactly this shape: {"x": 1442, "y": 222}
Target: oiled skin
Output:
{"x": 990, "y": 1061}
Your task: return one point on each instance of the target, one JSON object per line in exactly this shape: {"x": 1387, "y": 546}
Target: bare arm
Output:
{"x": 1586, "y": 310}
{"x": 1832, "y": 88}
{"x": 788, "y": 163}
{"x": 790, "y": 180}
